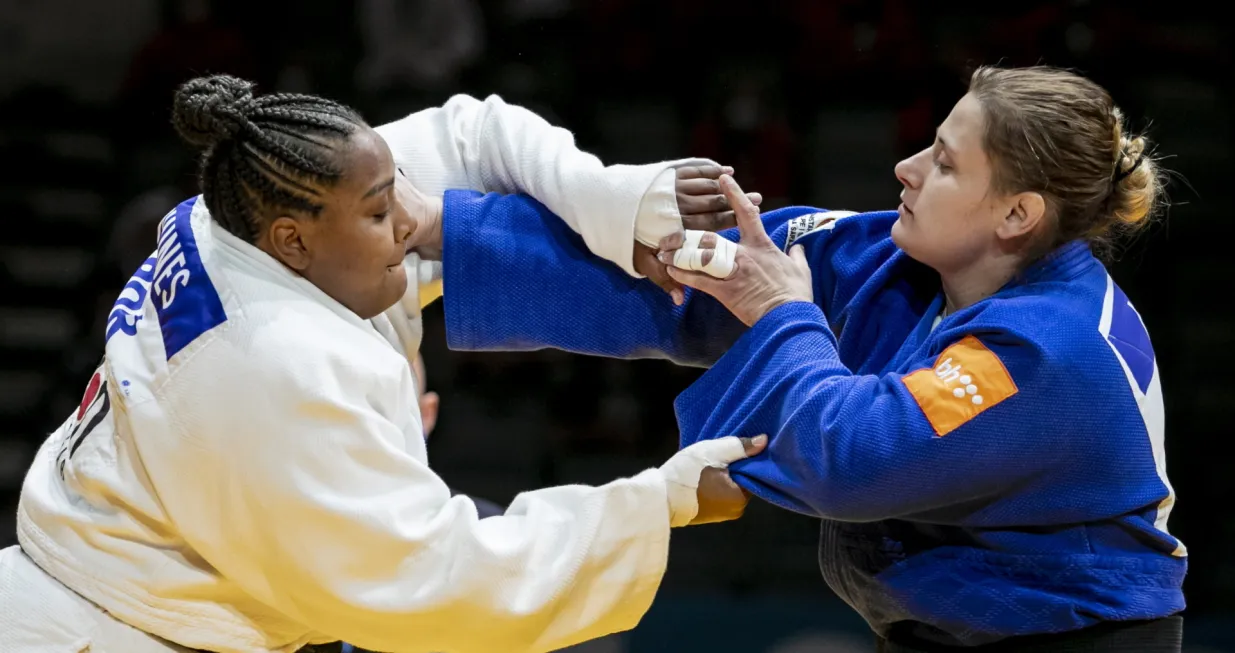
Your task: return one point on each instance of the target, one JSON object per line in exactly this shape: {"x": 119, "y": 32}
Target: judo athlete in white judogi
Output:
{"x": 247, "y": 471}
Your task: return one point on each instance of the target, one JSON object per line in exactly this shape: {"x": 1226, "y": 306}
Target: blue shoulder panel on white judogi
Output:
{"x": 175, "y": 269}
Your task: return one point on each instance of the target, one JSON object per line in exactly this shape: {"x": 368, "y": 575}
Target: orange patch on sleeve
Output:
{"x": 967, "y": 379}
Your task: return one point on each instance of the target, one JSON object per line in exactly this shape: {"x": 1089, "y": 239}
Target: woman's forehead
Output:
{"x": 962, "y": 130}
{"x": 366, "y": 161}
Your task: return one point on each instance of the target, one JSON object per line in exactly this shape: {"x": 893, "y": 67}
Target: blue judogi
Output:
{"x": 995, "y": 473}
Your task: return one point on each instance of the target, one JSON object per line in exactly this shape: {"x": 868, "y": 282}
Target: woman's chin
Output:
{"x": 898, "y": 232}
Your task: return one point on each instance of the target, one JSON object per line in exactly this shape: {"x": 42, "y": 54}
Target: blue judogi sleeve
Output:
{"x": 515, "y": 278}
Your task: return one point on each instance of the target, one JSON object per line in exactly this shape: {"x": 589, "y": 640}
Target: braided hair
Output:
{"x": 261, "y": 154}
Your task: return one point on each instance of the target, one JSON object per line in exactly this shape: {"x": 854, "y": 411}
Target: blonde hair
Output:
{"x": 1057, "y": 133}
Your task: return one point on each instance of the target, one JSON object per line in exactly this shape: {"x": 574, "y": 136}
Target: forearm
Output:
{"x": 562, "y": 566}
{"x": 363, "y": 542}
{"x": 516, "y": 279}
{"x": 499, "y": 147}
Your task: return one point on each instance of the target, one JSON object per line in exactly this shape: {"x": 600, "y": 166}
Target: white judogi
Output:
{"x": 498, "y": 147}
{"x": 247, "y": 470}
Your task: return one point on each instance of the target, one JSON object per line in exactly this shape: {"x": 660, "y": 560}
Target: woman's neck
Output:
{"x": 968, "y": 286}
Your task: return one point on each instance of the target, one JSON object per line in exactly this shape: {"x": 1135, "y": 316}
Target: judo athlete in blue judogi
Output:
{"x": 957, "y": 389}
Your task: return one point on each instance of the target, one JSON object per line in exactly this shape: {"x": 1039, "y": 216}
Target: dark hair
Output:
{"x": 262, "y": 154}
{"x": 1057, "y": 133}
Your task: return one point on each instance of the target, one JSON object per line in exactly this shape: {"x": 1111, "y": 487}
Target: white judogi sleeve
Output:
{"x": 499, "y": 147}
{"x": 301, "y": 477}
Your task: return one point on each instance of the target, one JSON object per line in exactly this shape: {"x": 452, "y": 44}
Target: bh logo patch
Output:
{"x": 967, "y": 379}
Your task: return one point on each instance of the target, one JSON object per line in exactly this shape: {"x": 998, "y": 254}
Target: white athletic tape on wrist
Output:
{"x": 682, "y": 472}
{"x": 690, "y": 256}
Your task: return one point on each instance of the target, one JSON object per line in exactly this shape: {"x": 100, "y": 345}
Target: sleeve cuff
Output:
{"x": 787, "y": 315}
{"x": 459, "y": 224}
{"x": 658, "y": 214}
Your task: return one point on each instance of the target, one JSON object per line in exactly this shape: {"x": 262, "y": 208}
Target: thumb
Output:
{"x": 798, "y": 254}
{"x": 649, "y": 265}
{"x": 753, "y": 446}
{"x": 722, "y": 451}
{"x": 750, "y": 226}
{"x": 667, "y": 284}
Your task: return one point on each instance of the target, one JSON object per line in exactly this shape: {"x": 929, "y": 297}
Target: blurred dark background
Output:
{"x": 812, "y": 101}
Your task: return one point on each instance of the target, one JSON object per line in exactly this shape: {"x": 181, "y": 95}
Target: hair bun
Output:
{"x": 1138, "y": 185}
{"x": 208, "y": 110}
{"x": 1130, "y": 152}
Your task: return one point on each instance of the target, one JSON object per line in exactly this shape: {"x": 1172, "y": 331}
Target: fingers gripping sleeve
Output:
{"x": 683, "y": 469}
